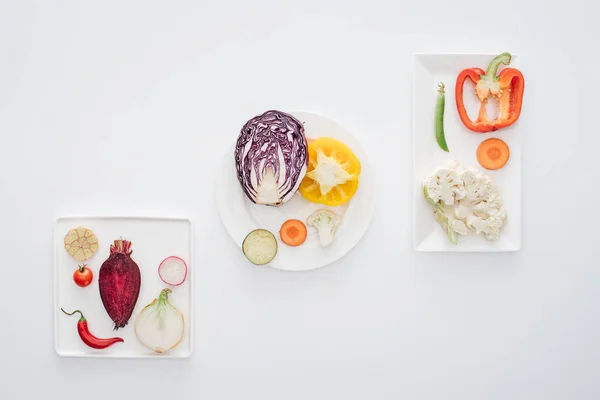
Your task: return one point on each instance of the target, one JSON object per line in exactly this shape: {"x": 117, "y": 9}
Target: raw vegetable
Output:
{"x": 83, "y": 276}
{"x": 444, "y": 185}
{"x": 271, "y": 157}
{"x": 88, "y": 338}
{"x": 260, "y": 246}
{"x": 439, "y": 117}
{"x": 172, "y": 271}
{"x": 119, "y": 283}
{"x": 81, "y": 243}
{"x": 293, "y": 232}
{"x": 160, "y": 325}
{"x": 333, "y": 171}
{"x": 464, "y": 202}
{"x": 507, "y": 86}
{"x": 327, "y": 223}
{"x": 493, "y": 153}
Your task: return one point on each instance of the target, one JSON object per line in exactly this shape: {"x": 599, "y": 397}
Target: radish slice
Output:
{"x": 172, "y": 270}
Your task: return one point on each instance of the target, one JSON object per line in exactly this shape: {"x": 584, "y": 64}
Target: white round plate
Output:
{"x": 240, "y": 215}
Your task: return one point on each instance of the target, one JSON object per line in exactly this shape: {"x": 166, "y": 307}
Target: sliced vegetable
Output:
{"x": 293, "y": 232}
{"x": 160, "y": 325}
{"x": 172, "y": 271}
{"x": 327, "y": 223}
{"x": 439, "y": 117}
{"x": 508, "y": 87}
{"x": 271, "y": 157}
{"x": 260, "y": 246}
{"x": 464, "y": 201}
{"x": 88, "y": 338}
{"x": 81, "y": 243}
{"x": 333, "y": 171}
{"x": 83, "y": 276}
{"x": 119, "y": 282}
{"x": 493, "y": 153}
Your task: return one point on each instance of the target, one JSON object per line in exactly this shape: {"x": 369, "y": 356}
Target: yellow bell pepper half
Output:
{"x": 332, "y": 175}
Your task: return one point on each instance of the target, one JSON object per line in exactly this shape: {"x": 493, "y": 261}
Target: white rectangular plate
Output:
{"x": 429, "y": 70}
{"x": 152, "y": 240}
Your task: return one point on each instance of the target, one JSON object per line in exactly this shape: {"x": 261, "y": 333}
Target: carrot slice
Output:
{"x": 293, "y": 232}
{"x": 493, "y": 153}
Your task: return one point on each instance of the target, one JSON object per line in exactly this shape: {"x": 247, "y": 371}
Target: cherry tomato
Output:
{"x": 83, "y": 276}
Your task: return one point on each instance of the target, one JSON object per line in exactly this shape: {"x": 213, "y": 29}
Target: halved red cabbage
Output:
{"x": 271, "y": 157}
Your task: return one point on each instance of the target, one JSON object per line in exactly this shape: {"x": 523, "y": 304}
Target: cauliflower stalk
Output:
{"x": 464, "y": 201}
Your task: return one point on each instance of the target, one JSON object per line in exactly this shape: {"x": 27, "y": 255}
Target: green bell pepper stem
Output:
{"x": 492, "y": 69}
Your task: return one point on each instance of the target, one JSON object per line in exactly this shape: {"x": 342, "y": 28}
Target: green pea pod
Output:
{"x": 439, "y": 117}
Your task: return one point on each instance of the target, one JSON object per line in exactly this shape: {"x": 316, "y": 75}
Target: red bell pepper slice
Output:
{"x": 508, "y": 87}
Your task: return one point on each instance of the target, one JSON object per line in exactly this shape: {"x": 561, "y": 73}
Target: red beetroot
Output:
{"x": 119, "y": 281}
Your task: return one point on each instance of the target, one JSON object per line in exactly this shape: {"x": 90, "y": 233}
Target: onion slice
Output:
{"x": 160, "y": 324}
{"x": 172, "y": 271}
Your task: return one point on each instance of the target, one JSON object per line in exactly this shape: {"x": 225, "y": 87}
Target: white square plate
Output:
{"x": 152, "y": 240}
{"x": 429, "y": 71}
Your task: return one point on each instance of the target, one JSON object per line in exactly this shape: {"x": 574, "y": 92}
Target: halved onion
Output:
{"x": 160, "y": 325}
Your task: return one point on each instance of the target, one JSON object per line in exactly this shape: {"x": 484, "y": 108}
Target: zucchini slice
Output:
{"x": 260, "y": 246}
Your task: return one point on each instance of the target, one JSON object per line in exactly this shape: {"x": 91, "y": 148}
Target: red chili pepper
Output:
{"x": 508, "y": 87}
{"x": 88, "y": 338}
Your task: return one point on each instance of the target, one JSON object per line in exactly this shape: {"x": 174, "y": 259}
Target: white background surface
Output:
{"x": 115, "y": 107}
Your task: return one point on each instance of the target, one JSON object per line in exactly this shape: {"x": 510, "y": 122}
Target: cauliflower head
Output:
{"x": 465, "y": 201}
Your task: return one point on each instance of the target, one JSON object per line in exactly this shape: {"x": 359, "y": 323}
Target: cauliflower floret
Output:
{"x": 478, "y": 187}
{"x": 465, "y": 214}
{"x": 459, "y": 226}
{"x": 470, "y": 180}
{"x": 489, "y": 227}
{"x": 326, "y": 222}
{"x": 444, "y": 185}
{"x": 493, "y": 195}
{"x": 501, "y": 213}
{"x": 481, "y": 207}
{"x": 455, "y": 227}
{"x": 462, "y": 212}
